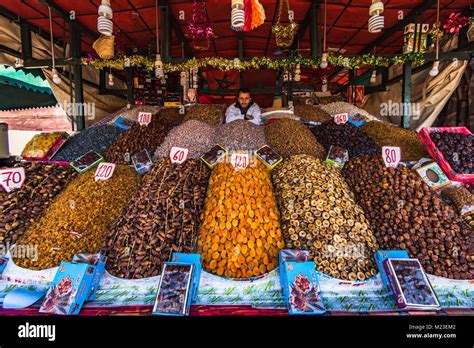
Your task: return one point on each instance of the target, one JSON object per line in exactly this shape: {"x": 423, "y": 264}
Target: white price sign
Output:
{"x": 104, "y": 171}
{"x": 12, "y": 178}
{"x": 391, "y": 156}
{"x": 178, "y": 154}
{"x": 144, "y": 118}
{"x": 341, "y": 118}
{"x": 239, "y": 160}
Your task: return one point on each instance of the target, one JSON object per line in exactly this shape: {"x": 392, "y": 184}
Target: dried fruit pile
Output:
{"x": 240, "y": 234}
{"x": 162, "y": 218}
{"x": 136, "y": 139}
{"x": 311, "y": 113}
{"x": 347, "y": 136}
{"x": 240, "y": 135}
{"x": 457, "y": 149}
{"x": 385, "y": 134}
{"x": 96, "y": 139}
{"x": 462, "y": 200}
{"x": 21, "y": 207}
{"x": 196, "y": 136}
{"x": 76, "y": 222}
{"x": 212, "y": 114}
{"x": 319, "y": 214}
{"x": 172, "y": 116}
{"x": 405, "y": 214}
{"x": 289, "y": 137}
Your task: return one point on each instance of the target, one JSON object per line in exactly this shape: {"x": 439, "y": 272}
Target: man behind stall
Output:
{"x": 243, "y": 109}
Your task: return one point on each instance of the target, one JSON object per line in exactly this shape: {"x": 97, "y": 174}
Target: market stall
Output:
{"x": 169, "y": 206}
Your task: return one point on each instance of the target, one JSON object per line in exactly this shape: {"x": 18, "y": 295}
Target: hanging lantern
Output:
{"x": 284, "y": 33}
{"x": 376, "y": 21}
{"x": 159, "y": 72}
{"x": 200, "y": 28}
{"x": 104, "y": 22}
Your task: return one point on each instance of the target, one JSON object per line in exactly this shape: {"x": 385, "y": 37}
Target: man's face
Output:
{"x": 244, "y": 99}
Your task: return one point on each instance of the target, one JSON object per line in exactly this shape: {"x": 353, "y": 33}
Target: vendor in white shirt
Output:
{"x": 243, "y": 109}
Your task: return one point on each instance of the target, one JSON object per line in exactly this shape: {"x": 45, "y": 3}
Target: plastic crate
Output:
{"x": 437, "y": 155}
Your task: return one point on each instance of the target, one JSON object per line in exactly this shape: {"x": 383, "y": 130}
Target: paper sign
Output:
{"x": 178, "y": 154}
{"x": 12, "y": 178}
{"x": 144, "y": 118}
{"x": 240, "y": 160}
{"x": 391, "y": 156}
{"x": 104, "y": 171}
{"x": 341, "y": 118}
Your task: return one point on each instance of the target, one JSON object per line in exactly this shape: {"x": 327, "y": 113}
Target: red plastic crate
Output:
{"x": 437, "y": 155}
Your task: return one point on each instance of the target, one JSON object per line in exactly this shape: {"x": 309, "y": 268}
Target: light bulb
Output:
{"x": 111, "y": 80}
{"x": 435, "y": 69}
{"x": 324, "y": 60}
{"x": 18, "y": 63}
{"x": 56, "y": 78}
{"x": 373, "y": 77}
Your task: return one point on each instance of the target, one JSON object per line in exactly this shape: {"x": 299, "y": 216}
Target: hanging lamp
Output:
{"x": 324, "y": 56}
{"x": 56, "y": 78}
{"x": 104, "y": 21}
{"x": 435, "y": 69}
{"x": 376, "y": 21}
{"x": 159, "y": 72}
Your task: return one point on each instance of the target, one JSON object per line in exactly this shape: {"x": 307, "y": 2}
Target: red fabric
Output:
{"x": 204, "y": 99}
{"x": 248, "y": 15}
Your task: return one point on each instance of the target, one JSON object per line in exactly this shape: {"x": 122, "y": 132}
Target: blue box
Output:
{"x": 98, "y": 261}
{"x": 381, "y": 255}
{"x": 301, "y": 289}
{"x": 3, "y": 263}
{"x": 194, "y": 259}
{"x": 69, "y": 290}
{"x": 123, "y": 123}
{"x": 285, "y": 255}
{"x": 357, "y": 120}
{"x": 173, "y": 295}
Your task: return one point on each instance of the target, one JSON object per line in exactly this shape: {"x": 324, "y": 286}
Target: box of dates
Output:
{"x": 98, "y": 261}
{"x": 300, "y": 287}
{"x": 3, "y": 264}
{"x": 409, "y": 285}
{"x": 381, "y": 255}
{"x": 269, "y": 157}
{"x": 214, "y": 155}
{"x": 86, "y": 161}
{"x": 69, "y": 289}
{"x": 173, "y": 296}
{"x": 337, "y": 156}
{"x": 194, "y": 259}
{"x": 286, "y": 255}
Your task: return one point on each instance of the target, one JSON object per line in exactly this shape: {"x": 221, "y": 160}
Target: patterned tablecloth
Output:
{"x": 265, "y": 292}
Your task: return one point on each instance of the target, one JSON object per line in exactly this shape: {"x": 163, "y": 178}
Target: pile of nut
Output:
{"x": 196, "y": 136}
{"x": 289, "y": 137}
{"x": 240, "y": 234}
{"x": 212, "y": 114}
{"x": 21, "y": 207}
{"x": 240, "y": 135}
{"x": 162, "y": 218}
{"x": 462, "y": 200}
{"x": 77, "y": 220}
{"x": 172, "y": 115}
{"x": 136, "y": 139}
{"x": 405, "y": 214}
{"x": 347, "y": 136}
{"x": 96, "y": 139}
{"x": 311, "y": 113}
{"x": 457, "y": 149}
{"x": 340, "y": 107}
{"x": 319, "y": 214}
{"x": 385, "y": 134}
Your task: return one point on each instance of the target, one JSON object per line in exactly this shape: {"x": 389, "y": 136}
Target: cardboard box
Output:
{"x": 123, "y": 123}
{"x": 86, "y": 161}
{"x": 433, "y": 175}
{"x": 409, "y": 284}
{"x": 173, "y": 296}
{"x": 301, "y": 288}
{"x": 194, "y": 259}
{"x": 285, "y": 255}
{"x": 98, "y": 261}
{"x": 69, "y": 289}
{"x": 268, "y": 156}
{"x": 3, "y": 263}
{"x": 381, "y": 255}
{"x": 214, "y": 155}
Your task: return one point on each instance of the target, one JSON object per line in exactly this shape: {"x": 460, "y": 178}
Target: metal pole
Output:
{"x": 165, "y": 40}
{"x": 406, "y": 94}
{"x": 314, "y": 34}
{"x": 75, "y": 35}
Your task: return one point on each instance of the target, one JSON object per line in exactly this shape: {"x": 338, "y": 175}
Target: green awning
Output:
{"x": 32, "y": 80}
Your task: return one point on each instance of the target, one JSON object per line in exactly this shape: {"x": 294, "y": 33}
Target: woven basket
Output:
{"x": 104, "y": 46}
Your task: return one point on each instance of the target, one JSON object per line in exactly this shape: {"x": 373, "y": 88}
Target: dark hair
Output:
{"x": 243, "y": 90}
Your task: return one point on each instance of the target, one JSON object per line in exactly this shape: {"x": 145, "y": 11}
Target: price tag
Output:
{"x": 391, "y": 156}
{"x": 239, "y": 160}
{"x": 104, "y": 171}
{"x": 178, "y": 154}
{"x": 341, "y": 118}
{"x": 144, "y": 118}
{"x": 12, "y": 178}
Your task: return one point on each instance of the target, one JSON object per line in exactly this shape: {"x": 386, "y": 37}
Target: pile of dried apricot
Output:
{"x": 240, "y": 233}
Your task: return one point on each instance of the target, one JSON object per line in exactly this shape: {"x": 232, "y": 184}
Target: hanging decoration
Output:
{"x": 284, "y": 33}
{"x": 224, "y": 64}
{"x": 409, "y": 44}
{"x": 435, "y": 32}
{"x": 324, "y": 57}
{"x": 455, "y": 22}
{"x": 158, "y": 64}
{"x": 56, "y": 78}
{"x": 237, "y": 15}
{"x": 373, "y": 77}
{"x": 199, "y": 28}
{"x": 258, "y": 14}
{"x": 470, "y": 32}
{"x": 376, "y": 21}
{"x": 105, "y": 25}
{"x": 435, "y": 69}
